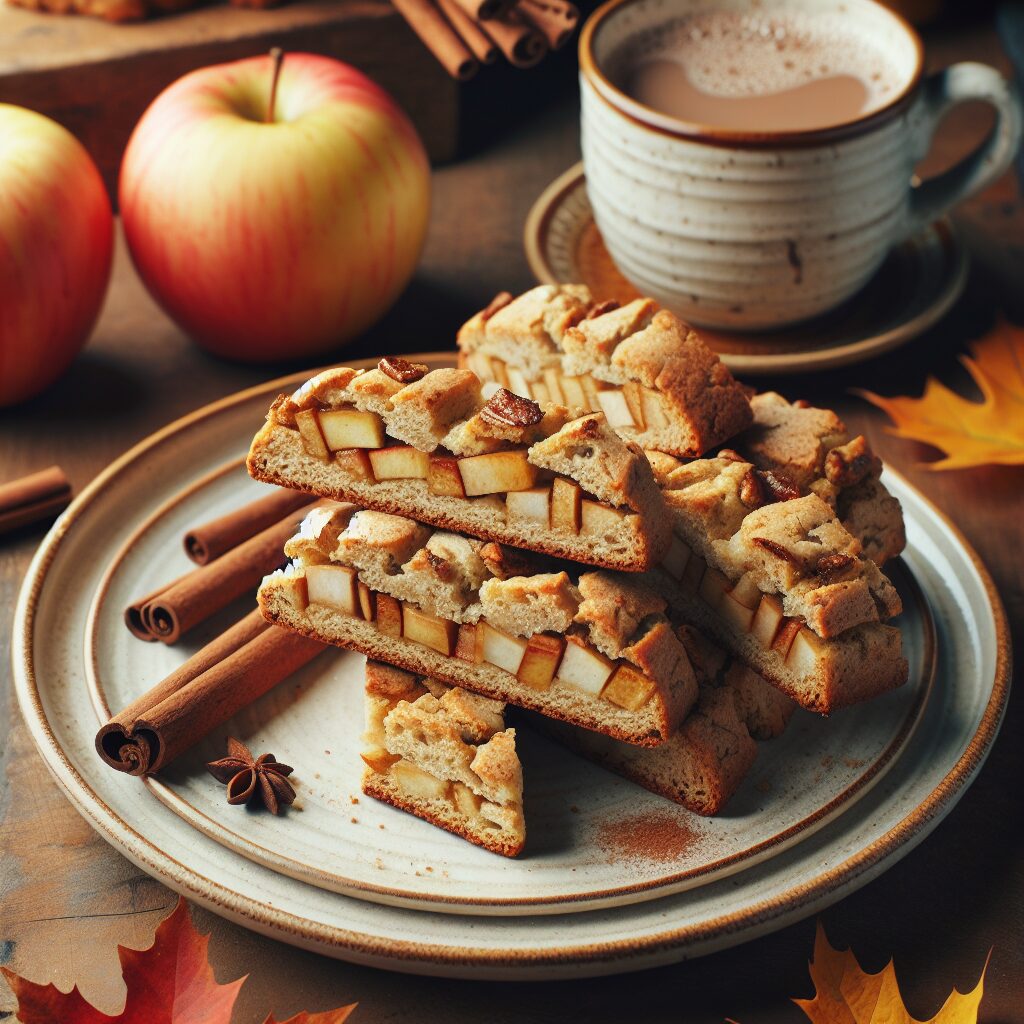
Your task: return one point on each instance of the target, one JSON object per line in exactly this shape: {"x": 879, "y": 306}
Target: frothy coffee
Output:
{"x": 758, "y": 72}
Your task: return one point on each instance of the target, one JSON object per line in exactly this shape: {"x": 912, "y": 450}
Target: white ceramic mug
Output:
{"x": 749, "y": 230}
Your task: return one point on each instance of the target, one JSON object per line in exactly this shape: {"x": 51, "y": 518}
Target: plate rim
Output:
{"x": 266, "y": 918}
{"x": 847, "y": 354}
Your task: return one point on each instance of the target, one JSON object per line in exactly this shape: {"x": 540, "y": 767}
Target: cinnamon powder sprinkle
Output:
{"x": 660, "y": 837}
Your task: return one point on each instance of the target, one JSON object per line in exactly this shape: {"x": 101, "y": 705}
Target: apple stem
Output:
{"x": 277, "y": 57}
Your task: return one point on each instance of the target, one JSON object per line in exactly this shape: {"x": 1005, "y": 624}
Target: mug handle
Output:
{"x": 942, "y": 91}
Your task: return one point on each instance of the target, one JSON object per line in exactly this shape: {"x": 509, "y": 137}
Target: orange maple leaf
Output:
{"x": 845, "y": 994}
{"x": 970, "y": 433}
{"x": 169, "y": 983}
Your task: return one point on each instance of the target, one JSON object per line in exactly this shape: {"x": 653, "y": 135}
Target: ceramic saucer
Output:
{"x": 917, "y": 284}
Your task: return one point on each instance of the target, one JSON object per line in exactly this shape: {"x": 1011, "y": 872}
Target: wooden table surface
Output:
{"x": 67, "y": 898}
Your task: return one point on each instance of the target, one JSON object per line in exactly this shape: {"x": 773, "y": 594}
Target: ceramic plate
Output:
{"x": 917, "y": 284}
{"x": 252, "y": 868}
{"x": 579, "y": 816}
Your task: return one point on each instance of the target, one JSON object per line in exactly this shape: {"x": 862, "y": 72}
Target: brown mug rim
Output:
{"x": 712, "y": 135}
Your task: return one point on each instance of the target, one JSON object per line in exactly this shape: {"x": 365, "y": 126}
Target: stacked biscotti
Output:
{"x": 610, "y": 533}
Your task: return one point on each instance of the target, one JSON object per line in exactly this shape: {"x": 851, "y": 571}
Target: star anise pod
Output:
{"x": 249, "y": 777}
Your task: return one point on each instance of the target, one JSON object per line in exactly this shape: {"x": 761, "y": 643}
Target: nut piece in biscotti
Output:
{"x": 445, "y": 756}
{"x": 401, "y": 370}
{"x": 850, "y": 464}
{"x": 526, "y": 331}
{"x": 504, "y": 421}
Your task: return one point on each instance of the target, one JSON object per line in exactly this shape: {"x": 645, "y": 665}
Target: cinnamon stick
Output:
{"x": 556, "y": 20}
{"x": 228, "y": 674}
{"x": 175, "y": 609}
{"x": 472, "y": 35}
{"x": 427, "y": 21}
{"x": 34, "y": 497}
{"x": 210, "y": 540}
{"x": 521, "y": 43}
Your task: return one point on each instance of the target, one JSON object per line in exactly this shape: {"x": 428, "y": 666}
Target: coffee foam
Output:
{"x": 738, "y": 54}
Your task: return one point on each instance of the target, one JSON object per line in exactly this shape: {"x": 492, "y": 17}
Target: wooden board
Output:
{"x": 97, "y": 78}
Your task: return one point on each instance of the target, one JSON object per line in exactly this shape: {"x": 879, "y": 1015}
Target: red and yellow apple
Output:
{"x": 56, "y": 245}
{"x": 273, "y": 227}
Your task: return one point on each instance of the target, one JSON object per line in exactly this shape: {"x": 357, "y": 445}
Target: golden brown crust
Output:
{"x": 380, "y": 788}
{"x": 795, "y": 548}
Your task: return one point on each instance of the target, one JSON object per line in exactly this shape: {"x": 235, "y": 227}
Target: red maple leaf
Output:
{"x": 169, "y": 983}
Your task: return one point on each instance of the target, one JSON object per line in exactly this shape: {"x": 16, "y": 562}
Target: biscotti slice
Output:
{"x": 776, "y": 579}
{"x": 593, "y": 648}
{"x": 812, "y": 449}
{"x": 651, "y": 374}
{"x": 703, "y": 764}
{"x": 445, "y": 756}
{"x": 427, "y": 445}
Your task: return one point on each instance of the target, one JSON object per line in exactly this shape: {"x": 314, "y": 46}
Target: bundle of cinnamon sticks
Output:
{"x": 463, "y": 34}
{"x": 233, "y": 552}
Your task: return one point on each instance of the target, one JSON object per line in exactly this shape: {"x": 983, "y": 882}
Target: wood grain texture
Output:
{"x": 66, "y": 898}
